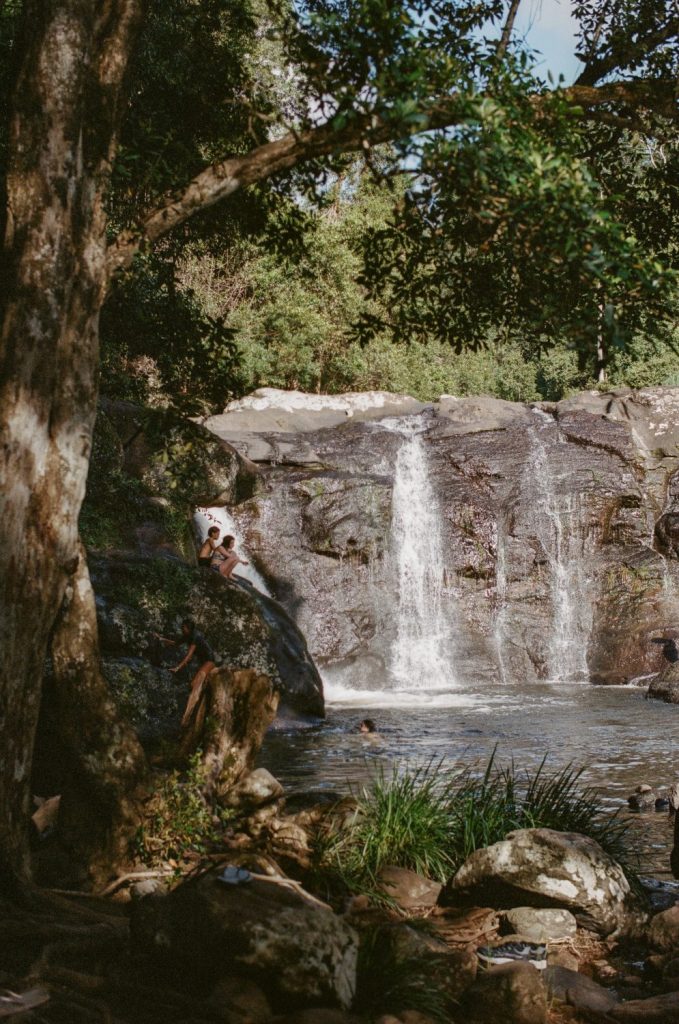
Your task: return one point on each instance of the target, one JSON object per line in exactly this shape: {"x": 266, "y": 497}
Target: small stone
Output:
{"x": 257, "y": 788}
{"x": 512, "y": 993}
{"x": 663, "y": 932}
{"x": 561, "y": 957}
{"x": 238, "y": 1000}
{"x": 409, "y": 890}
{"x": 148, "y": 887}
{"x": 643, "y": 799}
{"x": 603, "y": 971}
{"x": 541, "y": 925}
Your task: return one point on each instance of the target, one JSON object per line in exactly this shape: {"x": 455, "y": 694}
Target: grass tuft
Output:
{"x": 430, "y": 819}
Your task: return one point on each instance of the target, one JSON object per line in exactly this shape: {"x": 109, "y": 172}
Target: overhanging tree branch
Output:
{"x": 597, "y": 68}
{"x": 222, "y": 179}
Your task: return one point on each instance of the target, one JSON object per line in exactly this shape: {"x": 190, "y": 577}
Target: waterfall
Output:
{"x": 422, "y": 655}
{"x": 557, "y": 520}
{"x": 501, "y": 602}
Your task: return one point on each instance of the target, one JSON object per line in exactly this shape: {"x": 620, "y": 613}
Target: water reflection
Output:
{"x": 618, "y": 737}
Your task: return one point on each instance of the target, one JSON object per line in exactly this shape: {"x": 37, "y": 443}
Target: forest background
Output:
{"x": 289, "y": 286}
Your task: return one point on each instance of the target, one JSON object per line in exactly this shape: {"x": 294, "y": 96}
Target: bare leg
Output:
{"x": 196, "y": 690}
{"x": 227, "y": 567}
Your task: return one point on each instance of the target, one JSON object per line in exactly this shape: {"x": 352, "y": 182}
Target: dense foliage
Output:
{"x": 527, "y": 249}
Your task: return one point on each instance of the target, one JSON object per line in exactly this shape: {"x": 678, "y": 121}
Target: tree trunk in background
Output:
{"x": 62, "y": 135}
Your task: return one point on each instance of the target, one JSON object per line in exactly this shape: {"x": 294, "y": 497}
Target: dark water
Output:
{"x": 618, "y": 737}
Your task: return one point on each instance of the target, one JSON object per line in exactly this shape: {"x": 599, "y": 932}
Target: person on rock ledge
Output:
{"x": 208, "y": 547}
{"x": 199, "y": 647}
{"x": 224, "y": 557}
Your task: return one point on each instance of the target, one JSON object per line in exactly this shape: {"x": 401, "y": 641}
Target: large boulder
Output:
{"x": 553, "y": 869}
{"x": 137, "y": 596}
{"x": 665, "y": 686}
{"x": 290, "y": 944}
{"x": 663, "y": 931}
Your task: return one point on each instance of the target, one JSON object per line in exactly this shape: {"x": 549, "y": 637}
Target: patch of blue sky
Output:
{"x": 549, "y": 29}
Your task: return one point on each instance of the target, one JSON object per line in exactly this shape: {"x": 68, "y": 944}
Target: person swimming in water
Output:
{"x": 368, "y": 726}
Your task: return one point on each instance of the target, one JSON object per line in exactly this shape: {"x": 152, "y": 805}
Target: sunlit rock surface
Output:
{"x": 553, "y": 868}
{"x": 558, "y": 527}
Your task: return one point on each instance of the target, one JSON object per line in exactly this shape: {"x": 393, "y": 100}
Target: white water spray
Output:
{"x": 558, "y": 522}
{"x": 422, "y": 656}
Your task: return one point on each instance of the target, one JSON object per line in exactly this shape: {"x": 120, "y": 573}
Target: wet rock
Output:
{"x": 295, "y": 948}
{"x": 662, "y": 1009}
{"x": 513, "y": 993}
{"x": 538, "y": 925}
{"x": 579, "y": 991}
{"x": 257, "y": 788}
{"x": 663, "y": 931}
{"x": 554, "y": 868}
{"x": 665, "y": 686}
{"x": 325, "y": 479}
{"x": 643, "y": 799}
{"x": 407, "y": 889}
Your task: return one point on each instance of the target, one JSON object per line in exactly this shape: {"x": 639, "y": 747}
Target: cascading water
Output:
{"x": 558, "y": 523}
{"x": 422, "y": 654}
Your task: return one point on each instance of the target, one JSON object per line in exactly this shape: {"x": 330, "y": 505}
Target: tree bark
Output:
{"x": 62, "y": 137}
{"x": 99, "y": 809}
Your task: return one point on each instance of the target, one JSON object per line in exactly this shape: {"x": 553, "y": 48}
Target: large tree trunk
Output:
{"x": 62, "y": 135}
{"x": 99, "y": 807}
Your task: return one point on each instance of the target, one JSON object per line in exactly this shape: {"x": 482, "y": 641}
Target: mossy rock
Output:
{"x": 138, "y": 596}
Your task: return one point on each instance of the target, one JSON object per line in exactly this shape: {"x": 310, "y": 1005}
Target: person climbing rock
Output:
{"x": 208, "y": 547}
{"x": 199, "y": 647}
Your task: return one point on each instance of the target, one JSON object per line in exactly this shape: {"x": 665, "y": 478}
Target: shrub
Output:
{"x": 179, "y": 817}
{"x": 430, "y": 820}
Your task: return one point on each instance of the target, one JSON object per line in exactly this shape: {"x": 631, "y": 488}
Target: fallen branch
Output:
{"x": 132, "y": 876}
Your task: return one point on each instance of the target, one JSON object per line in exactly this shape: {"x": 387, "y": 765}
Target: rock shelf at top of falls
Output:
{"x": 558, "y": 529}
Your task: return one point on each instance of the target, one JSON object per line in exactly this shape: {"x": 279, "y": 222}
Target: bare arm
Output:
{"x": 186, "y": 659}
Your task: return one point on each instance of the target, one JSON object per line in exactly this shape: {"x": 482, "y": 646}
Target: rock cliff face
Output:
{"x": 553, "y": 529}
{"x": 150, "y": 469}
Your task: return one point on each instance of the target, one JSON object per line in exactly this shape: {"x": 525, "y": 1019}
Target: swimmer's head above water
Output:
{"x": 367, "y": 725}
